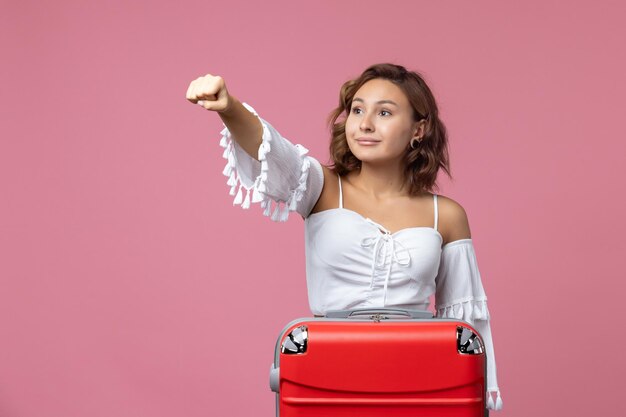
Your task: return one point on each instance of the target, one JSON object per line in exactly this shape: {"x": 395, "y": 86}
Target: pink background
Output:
{"x": 130, "y": 286}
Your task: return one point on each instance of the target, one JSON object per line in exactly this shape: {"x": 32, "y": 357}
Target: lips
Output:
{"x": 364, "y": 140}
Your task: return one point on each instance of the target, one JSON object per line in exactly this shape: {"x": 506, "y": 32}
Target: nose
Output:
{"x": 366, "y": 124}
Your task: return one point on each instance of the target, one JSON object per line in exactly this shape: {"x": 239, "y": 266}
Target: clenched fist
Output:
{"x": 210, "y": 92}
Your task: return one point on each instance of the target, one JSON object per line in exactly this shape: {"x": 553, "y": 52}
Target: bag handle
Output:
{"x": 378, "y": 313}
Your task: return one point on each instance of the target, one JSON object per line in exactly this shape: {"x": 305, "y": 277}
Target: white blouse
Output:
{"x": 368, "y": 266}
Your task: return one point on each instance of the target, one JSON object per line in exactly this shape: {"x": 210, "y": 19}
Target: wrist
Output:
{"x": 231, "y": 103}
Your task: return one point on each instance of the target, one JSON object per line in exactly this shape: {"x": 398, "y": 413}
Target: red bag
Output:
{"x": 379, "y": 362}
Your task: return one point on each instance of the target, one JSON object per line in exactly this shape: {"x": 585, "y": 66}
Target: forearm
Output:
{"x": 245, "y": 128}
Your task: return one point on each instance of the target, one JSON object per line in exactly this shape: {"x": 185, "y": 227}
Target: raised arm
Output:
{"x": 260, "y": 162}
{"x": 211, "y": 93}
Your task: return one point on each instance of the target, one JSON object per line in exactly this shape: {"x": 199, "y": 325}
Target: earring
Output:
{"x": 419, "y": 140}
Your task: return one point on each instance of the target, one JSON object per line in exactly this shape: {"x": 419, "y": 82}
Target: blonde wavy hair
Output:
{"x": 421, "y": 164}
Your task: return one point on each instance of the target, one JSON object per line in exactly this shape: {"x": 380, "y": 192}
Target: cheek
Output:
{"x": 350, "y": 125}
{"x": 400, "y": 133}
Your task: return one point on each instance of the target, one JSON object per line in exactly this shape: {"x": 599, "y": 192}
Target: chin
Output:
{"x": 377, "y": 158}
{"x": 369, "y": 159}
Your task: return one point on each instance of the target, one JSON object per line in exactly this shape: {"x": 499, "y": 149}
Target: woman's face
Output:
{"x": 380, "y": 124}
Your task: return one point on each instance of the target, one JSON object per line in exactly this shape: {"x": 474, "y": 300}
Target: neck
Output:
{"x": 380, "y": 181}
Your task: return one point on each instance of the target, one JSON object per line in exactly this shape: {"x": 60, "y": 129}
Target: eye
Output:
{"x": 354, "y": 109}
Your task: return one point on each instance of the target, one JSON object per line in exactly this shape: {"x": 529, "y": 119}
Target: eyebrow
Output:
{"x": 378, "y": 102}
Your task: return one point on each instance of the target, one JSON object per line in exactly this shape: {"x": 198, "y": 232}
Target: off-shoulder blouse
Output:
{"x": 352, "y": 261}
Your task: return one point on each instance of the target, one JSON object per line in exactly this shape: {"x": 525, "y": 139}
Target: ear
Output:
{"x": 419, "y": 128}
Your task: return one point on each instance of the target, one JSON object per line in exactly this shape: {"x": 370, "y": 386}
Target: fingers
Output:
{"x": 209, "y": 92}
{"x": 192, "y": 90}
{"x": 199, "y": 88}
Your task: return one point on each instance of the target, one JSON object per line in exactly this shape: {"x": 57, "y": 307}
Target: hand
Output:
{"x": 210, "y": 92}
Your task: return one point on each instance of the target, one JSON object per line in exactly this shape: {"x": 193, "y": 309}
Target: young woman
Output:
{"x": 375, "y": 234}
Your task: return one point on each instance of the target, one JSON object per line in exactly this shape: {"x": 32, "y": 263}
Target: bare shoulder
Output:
{"x": 453, "y": 222}
{"x": 330, "y": 191}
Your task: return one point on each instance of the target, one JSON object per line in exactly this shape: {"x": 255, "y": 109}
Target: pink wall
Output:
{"x": 130, "y": 286}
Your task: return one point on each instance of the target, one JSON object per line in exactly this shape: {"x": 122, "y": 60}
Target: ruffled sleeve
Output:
{"x": 283, "y": 179}
{"x": 460, "y": 294}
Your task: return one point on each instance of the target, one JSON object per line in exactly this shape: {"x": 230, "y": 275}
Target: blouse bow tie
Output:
{"x": 385, "y": 243}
